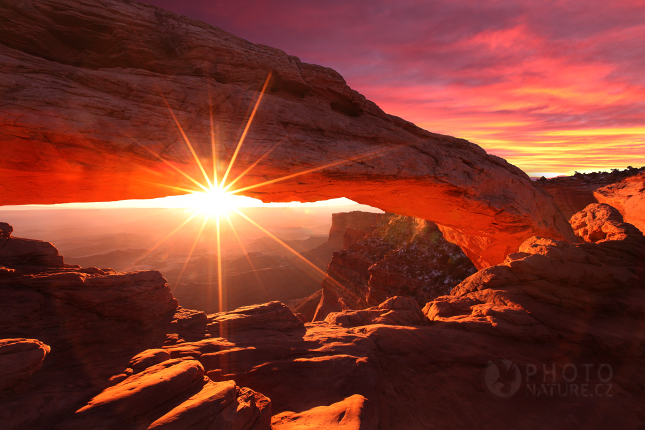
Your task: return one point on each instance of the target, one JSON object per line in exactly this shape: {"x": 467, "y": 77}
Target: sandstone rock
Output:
{"x": 571, "y": 198}
{"x": 399, "y": 256}
{"x": 353, "y": 413}
{"x": 358, "y": 220}
{"x": 19, "y": 252}
{"x": 307, "y": 306}
{"x": 19, "y": 359}
{"x": 148, "y": 358}
{"x": 588, "y": 281}
{"x": 394, "y": 311}
{"x": 574, "y": 193}
{"x": 173, "y": 395}
{"x": 628, "y": 196}
{"x": 5, "y": 229}
{"x": 273, "y": 315}
{"x": 550, "y": 304}
{"x": 84, "y": 118}
{"x": 600, "y": 222}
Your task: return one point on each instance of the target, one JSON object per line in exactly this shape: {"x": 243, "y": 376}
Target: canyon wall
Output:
{"x": 394, "y": 256}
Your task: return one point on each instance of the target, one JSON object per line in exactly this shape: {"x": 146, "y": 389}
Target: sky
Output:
{"x": 554, "y": 87}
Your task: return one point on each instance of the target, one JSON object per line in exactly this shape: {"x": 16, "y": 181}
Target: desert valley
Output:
{"x": 454, "y": 292}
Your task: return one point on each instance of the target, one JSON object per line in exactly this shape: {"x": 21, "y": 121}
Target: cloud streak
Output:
{"x": 553, "y": 86}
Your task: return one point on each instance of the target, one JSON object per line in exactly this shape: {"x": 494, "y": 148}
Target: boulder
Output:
{"x": 19, "y": 359}
{"x": 394, "y": 311}
{"x": 27, "y": 252}
{"x": 174, "y": 394}
{"x": 600, "y": 222}
{"x": 352, "y": 413}
{"x": 5, "y": 229}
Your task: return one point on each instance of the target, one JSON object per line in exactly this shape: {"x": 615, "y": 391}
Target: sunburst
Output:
{"x": 214, "y": 198}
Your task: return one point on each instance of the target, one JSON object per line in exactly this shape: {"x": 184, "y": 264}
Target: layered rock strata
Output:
{"x": 628, "y": 196}
{"x": 573, "y": 193}
{"x": 89, "y": 323}
{"x": 398, "y": 256}
{"x": 502, "y": 348}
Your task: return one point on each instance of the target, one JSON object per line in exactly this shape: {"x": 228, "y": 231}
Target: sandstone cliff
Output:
{"x": 394, "y": 256}
{"x": 628, "y": 196}
{"x": 573, "y": 193}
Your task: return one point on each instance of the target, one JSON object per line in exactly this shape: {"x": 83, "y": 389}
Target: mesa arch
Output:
{"x": 84, "y": 118}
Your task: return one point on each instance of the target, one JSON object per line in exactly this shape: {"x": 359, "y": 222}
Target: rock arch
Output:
{"x": 83, "y": 118}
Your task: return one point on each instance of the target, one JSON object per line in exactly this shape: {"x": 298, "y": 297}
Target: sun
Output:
{"x": 215, "y": 201}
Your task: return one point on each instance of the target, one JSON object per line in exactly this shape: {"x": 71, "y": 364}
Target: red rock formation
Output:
{"x": 574, "y": 193}
{"x": 352, "y": 413}
{"x": 355, "y": 220}
{"x": 394, "y": 311}
{"x": 95, "y": 322}
{"x": 600, "y": 222}
{"x": 553, "y": 306}
{"x": 571, "y": 198}
{"x": 601, "y": 283}
{"x": 19, "y": 359}
{"x": 628, "y": 196}
{"x": 5, "y": 230}
{"x": 18, "y": 251}
{"x": 174, "y": 394}
{"x": 84, "y": 118}
{"x": 399, "y": 256}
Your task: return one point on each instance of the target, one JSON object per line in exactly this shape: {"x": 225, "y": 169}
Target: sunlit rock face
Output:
{"x": 86, "y": 90}
{"x": 628, "y": 197}
{"x": 395, "y": 256}
{"x": 574, "y": 193}
{"x": 115, "y": 351}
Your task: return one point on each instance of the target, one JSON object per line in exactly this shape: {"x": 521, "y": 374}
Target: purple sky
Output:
{"x": 552, "y": 86}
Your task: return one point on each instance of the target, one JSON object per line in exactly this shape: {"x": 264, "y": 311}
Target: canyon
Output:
{"x": 81, "y": 344}
{"x": 468, "y": 305}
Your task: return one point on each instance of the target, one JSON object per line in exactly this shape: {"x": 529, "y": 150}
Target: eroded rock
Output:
{"x": 19, "y": 359}
{"x": 394, "y": 311}
{"x": 398, "y": 256}
{"x": 110, "y": 61}
{"x": 353, "y": 413}
{"x": 628, "y": 196}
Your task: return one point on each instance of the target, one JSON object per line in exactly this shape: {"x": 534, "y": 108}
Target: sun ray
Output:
{"x": 190, "y": 147}
{"x": 246, "y": 254}
{"x": 246, "y": 129}
{"x": 192, "y": 249}
{"x": 213, "y": 151}
{"x": 335, "y": 163}
{"x": 297, "y": 254}
{"x": 252, "y": 166}
{"x": 172, "y": 187}
{"x": 158, "y": 244}
{"x": 220, "y": 278}
{"x": 186, "y": 175}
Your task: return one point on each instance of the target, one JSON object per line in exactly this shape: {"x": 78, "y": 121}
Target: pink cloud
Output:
{"x": 506, "y": 75}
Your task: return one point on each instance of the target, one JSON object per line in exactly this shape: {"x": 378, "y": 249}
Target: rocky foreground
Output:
{"x": 552, "y": 338}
